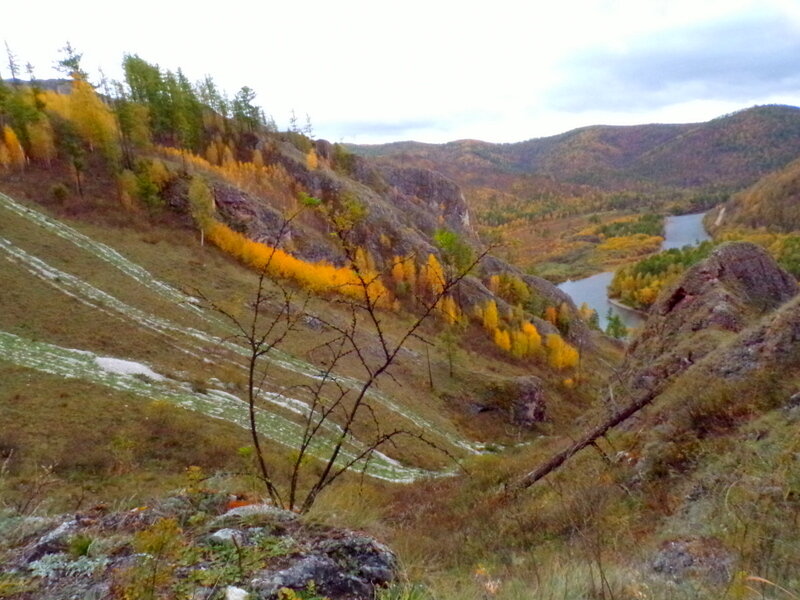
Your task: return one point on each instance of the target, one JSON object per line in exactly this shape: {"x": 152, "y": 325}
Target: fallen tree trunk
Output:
{"x": 587, "y": 440}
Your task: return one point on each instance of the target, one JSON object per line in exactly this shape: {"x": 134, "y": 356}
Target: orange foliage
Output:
{"x": 502, "y": 339}
{"x": 319, "y": 277}
{"x": 449, "y": 310}
{"x": 312, "y": 162}
{"x": 86, "y": 110}
{"x": 431, "y": 277}
{"x": 42, "y": 144}
{"x": 270, "y": 181}
{"x": 16, "y": 155}
{"x": 5, "y": 157}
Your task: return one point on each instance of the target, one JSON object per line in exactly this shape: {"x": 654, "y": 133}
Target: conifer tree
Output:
{"x": 13, "y": 65}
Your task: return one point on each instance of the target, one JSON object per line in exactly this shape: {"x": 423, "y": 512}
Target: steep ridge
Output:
{"x": 714, "y": 300}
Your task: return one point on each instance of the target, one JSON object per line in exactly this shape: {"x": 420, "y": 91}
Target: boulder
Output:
{"x": 524, "y": 398}
{"x": 347, "y": 566}
{"x": 700, "y": 557}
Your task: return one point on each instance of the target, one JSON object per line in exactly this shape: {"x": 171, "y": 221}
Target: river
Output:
{"x": 684, "y": 230}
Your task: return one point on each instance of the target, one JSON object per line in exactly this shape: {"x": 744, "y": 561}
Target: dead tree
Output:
{"x": 589, "y": 439}
{"x": 336, "y": 408}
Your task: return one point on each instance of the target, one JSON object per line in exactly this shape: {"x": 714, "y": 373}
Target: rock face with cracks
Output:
{"x": 738, "y": 284}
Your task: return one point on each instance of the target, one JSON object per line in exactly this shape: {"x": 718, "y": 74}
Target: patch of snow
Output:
{"x": 227, "y": 535}
{"x": 126, "y": 367}
{"x": 235, "y": 593}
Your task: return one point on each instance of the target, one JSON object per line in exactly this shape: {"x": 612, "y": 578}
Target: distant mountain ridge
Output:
{"x": 731, "y": 151}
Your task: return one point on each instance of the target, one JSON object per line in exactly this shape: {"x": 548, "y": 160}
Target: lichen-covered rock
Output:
{"x": 101, "y": 554}
{"x": 773, "y": 341}
{"x": 440, "y": 195}
{"x": 350, "y": 566}
{"x": 702, "y": 557}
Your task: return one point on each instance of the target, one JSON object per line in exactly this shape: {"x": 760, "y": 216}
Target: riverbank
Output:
{"x": 679, "y": 231}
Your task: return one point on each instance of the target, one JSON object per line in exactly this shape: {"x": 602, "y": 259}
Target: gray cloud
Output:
{"x": 739, "y": 59}
{"x": 388, "y": 129}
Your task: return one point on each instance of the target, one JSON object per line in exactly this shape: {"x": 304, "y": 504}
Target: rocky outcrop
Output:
{"x": 524, "y": 399}
{"x": 773, "y": 341}
{"x": 734, "y": 287}
{"x": 255, "y": 550}
{"x": 441, "y": 196}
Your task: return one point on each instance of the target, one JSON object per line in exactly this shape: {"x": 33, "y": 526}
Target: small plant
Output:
{"x": 52, "y": 565}
{"x": 79, "y": 545}
{"x": 158, "y": 548}
{"x": 59, "y": 192}
{"x": 310, "y": 593}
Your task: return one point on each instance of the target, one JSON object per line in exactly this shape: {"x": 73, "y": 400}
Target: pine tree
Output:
{"x": 13, "y": 66}
{"x": 615, "y": 327}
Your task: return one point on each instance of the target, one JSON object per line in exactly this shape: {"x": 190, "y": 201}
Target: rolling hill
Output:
{"x": 730, "y": 152}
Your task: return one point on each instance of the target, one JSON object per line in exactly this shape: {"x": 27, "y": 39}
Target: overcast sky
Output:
{"x": 441, "y": 70}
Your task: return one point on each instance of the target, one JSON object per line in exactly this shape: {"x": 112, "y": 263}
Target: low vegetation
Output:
{"x": 302, "y": 393}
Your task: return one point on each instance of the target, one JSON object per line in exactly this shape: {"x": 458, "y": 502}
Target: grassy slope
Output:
{"x": 95, "y": 304}
{"x": 592, "y": 520}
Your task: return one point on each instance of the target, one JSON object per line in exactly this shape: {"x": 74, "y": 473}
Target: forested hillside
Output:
{"x": 537, "y": 196}
{"x": 217, "y": 339}
{"x": 728, "y": 152}
{"x": 772, "y": 203}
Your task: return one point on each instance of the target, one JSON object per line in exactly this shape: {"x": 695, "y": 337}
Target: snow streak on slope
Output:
{"x": 85, "y": 291}
{"x": 104, "y": 252}
{"x": 80, "y": 364}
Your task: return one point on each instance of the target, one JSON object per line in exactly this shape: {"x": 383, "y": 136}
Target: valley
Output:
{"x": 680, "y": 231}
{"x": 239, "y": 362}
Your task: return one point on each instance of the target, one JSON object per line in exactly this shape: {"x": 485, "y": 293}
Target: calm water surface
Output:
{"x": 685, "y": 230}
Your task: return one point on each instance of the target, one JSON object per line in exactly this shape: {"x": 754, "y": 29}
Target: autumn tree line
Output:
{"x": 156, "y": 130}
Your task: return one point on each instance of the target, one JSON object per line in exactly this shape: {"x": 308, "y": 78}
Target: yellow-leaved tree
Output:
{"x": 16, "y": 155}
{"x": 502, "y": 339}
{"x": 491, "y": 318}
{"x": 42, "y": 142}
{"x": 312, "y": 161}
{"x": 561, "y": 354}
{"x": 5, "y": 157}
{"x": 201, "y": 205}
